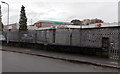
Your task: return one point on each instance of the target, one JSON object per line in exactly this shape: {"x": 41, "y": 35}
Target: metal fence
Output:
{"x": 106, "y": 39}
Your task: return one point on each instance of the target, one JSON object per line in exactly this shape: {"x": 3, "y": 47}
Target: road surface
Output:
{"x": 18, "y": 62}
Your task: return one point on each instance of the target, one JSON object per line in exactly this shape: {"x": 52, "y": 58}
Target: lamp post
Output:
{"x": 7, "y": 17}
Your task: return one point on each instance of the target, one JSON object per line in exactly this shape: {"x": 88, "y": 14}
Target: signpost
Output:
{"x": 9, "y": 29}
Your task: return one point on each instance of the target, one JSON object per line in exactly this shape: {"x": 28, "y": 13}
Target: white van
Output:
{"x": 2, "y": 37}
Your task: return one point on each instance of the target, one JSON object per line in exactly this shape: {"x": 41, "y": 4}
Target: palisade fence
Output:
{"x": 119, "y": 32}
{"x": 103, "y": 41}
{"x": 0, "y": 34}
{"x": 105, "y": 38}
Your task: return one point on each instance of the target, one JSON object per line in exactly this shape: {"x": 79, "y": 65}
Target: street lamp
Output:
{"x": 8, "y": 15}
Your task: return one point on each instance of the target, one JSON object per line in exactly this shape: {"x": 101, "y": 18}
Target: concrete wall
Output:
{"x": 91, "y": 37}
{"x": 62, "y": 37}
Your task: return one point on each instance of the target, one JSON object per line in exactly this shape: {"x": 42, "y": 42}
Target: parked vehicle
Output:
{"x": 2, "y": 37}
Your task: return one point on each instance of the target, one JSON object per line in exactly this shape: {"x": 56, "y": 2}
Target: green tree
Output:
{"x": 76, "y": 22}
{"x": 1, "y": 24}
{"x": 23, "y": 20}
{"x": 93, "y": 21}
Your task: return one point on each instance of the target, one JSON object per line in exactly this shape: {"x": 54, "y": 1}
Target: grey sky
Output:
{"x": 61, "y": 10}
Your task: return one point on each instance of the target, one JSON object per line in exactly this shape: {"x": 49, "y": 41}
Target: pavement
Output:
{"x": 65, "y": 56}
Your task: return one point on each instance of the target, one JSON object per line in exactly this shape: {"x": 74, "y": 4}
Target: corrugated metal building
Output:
{"x": 46, "y": 23}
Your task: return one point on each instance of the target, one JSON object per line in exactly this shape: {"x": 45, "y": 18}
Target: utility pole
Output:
{"x": 7, "y": 19}
{"x": 31, "y": 21}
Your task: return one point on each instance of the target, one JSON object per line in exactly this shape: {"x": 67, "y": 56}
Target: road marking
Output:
{"x": 27, "y": 50}
{"x": 114, "y": 62}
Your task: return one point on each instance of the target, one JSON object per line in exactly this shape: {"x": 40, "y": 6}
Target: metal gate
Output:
{"x": 105, "y": 46}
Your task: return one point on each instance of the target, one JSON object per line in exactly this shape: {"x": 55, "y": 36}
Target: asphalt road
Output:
{"x": 18, "y": 62}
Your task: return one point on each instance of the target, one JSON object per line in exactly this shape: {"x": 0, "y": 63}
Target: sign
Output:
{"x": 99, "y": 25}
{"x": 38, "y": 25}
{"x": 9, "y": 28}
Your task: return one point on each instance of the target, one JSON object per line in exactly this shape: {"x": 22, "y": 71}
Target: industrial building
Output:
{"x": 47, "y": 23}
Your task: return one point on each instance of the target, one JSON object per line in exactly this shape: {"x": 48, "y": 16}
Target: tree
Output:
{"x": 86, "y": 21}
{"x": 1, "y": 24}
{"x": 76, "y": 22}
{"x": 23, "y": 20}
{"x": 93, "y": 21}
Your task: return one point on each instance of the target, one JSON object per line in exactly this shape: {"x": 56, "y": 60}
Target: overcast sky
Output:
{"x": 61, "y": 10}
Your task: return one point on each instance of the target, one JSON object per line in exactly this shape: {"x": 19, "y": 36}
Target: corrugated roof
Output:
{"x": 57, "y": 22}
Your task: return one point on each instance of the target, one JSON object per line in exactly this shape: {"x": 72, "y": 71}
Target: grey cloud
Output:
{"x": 51, "y": 10}
{"x": 61, "y": 10}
